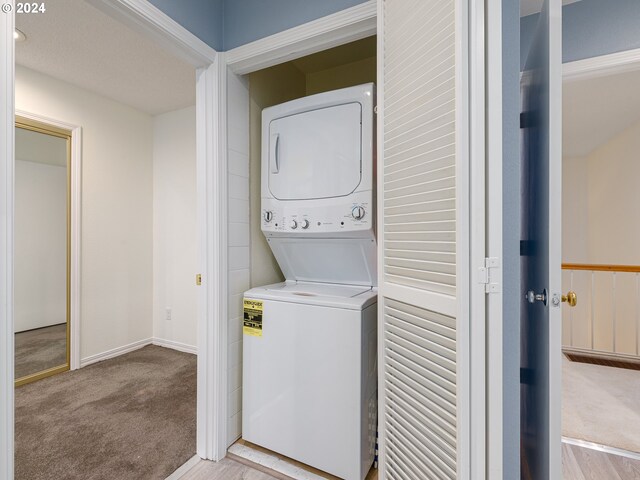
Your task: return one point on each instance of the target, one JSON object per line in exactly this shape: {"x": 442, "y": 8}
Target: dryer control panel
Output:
{"x": 300, "y": 218}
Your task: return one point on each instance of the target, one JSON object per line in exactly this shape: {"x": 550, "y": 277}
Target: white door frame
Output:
{"x": 75, "y": 227}
{"x": 149, "y": 21}
{"x": 7, "y": 132}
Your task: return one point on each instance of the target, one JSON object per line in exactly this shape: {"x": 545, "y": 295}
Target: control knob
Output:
{"x": 293, "y": 224}
{"x": 304, "y": 224}
{"x": 268, "y": 216}
{"x": 358, "y": 212}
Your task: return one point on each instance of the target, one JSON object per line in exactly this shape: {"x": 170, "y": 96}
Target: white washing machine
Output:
{"x": 309, "y": 350}
{"x": 310, "y": 377}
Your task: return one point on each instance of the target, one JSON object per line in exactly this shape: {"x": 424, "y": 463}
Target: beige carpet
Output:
{"x": 601, "y": 404}
{"x": 40, "y": 349}
{"x": 131, "y": 417}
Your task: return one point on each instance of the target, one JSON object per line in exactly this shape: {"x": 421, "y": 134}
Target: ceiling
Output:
{"x": 77, "y": 43}
{"x": 529, "y": 7}
{"x": 40, "y": 147}
{"x": 597, "y": 109}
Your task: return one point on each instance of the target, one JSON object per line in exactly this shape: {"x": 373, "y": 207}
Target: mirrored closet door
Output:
{"x": 42, "y": 250}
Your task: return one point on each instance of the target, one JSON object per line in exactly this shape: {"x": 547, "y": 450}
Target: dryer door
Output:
{"x": 315, "y": 154}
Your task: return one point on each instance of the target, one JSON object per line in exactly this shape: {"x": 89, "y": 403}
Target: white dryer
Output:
{"x": 309, "y": 350}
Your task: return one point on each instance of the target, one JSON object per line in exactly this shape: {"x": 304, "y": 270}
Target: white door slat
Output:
{"x": 421, "y": 197}
{"x": 431, "y": 247}
{"x": 441, "y": 324}
{"x": 429, "y": 454}
{"x": 410, "y": 460}
{"x": 425, "y": 102}
{"x": 422, "y": 236}
{"x": 437, "y": 390}
{"x": 432, "y": 206}
{"x": 439, "y": 401}
{"x": 421, "y": 216}
{"x": 423, "y": 356}
{"x": 426, "y": 255}
{"x": 425, "y": 276}
{"x": 431, "y": 56}
{"x": 437, "y": 184}
{"x": 415, "y": 34}
{"x": 436, "y": 267}
{"x": 407, "y": 164}
{"x": 435, "y": 226}
{"x": 425, "y": 341}
{"x": 396, "y": 276}
{"x": 433, "y": 433}
{"x": 420, "y": 170}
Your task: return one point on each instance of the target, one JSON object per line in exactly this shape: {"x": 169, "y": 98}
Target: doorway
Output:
{"x": 601, "y": 263}
{"x": 252, "y": 263}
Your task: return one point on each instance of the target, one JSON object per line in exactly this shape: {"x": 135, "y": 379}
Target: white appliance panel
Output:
{"x": 349, "y": 297}
{"x": 328, "y": 260}
{"x": 327, "y": 217}
{"x": 310, "y": 386}
{"x": 315, "y": 154}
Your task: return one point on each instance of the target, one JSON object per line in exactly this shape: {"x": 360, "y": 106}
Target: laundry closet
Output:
{"x": 326, "y": 252}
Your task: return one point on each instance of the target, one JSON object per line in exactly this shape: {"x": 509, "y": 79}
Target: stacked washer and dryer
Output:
{"x": 309, "y": 350}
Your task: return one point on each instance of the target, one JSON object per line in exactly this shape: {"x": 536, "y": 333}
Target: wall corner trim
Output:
{"x": 336, "y": 29}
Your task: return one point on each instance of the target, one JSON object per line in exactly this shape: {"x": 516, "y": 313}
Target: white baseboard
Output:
{"x": 116, "y": 352}
{"x": 181, "y": 347}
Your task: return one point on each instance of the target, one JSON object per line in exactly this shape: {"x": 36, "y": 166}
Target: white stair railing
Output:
{"x": 606, "y": 320}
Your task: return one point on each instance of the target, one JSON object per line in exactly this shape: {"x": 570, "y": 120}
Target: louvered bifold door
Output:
{"x": 418, "y": 218}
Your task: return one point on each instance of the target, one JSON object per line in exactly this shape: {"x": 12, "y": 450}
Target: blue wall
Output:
{"x": 591, "y": 28}
{"x": 225, "y": 24}
{"x": 203, "y": 18}
{"x": 249, "y": 20}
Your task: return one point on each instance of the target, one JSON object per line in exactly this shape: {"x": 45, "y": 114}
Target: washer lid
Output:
{"x": 315, "y": 289}
{"x": 321, "y": 294}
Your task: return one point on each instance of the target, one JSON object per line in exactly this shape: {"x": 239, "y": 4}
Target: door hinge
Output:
{"x": 489, "y": 275}
{"x": 199, "y": 279}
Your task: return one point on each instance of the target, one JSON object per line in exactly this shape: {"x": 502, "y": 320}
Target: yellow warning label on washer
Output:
{"x": 252, "y": 317}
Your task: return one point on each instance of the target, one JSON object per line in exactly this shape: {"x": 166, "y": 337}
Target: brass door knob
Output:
{"x": 571, "y": 298}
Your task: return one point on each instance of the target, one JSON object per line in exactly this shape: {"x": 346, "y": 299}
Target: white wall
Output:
{"x": 575, "y": 217}
{"x": 600, "y": 201}
{"x": 117, "y": 208}
{"x": 614, "y": 200}
{"x": 40, "y": 245}
{"x": 175, "y": 229}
